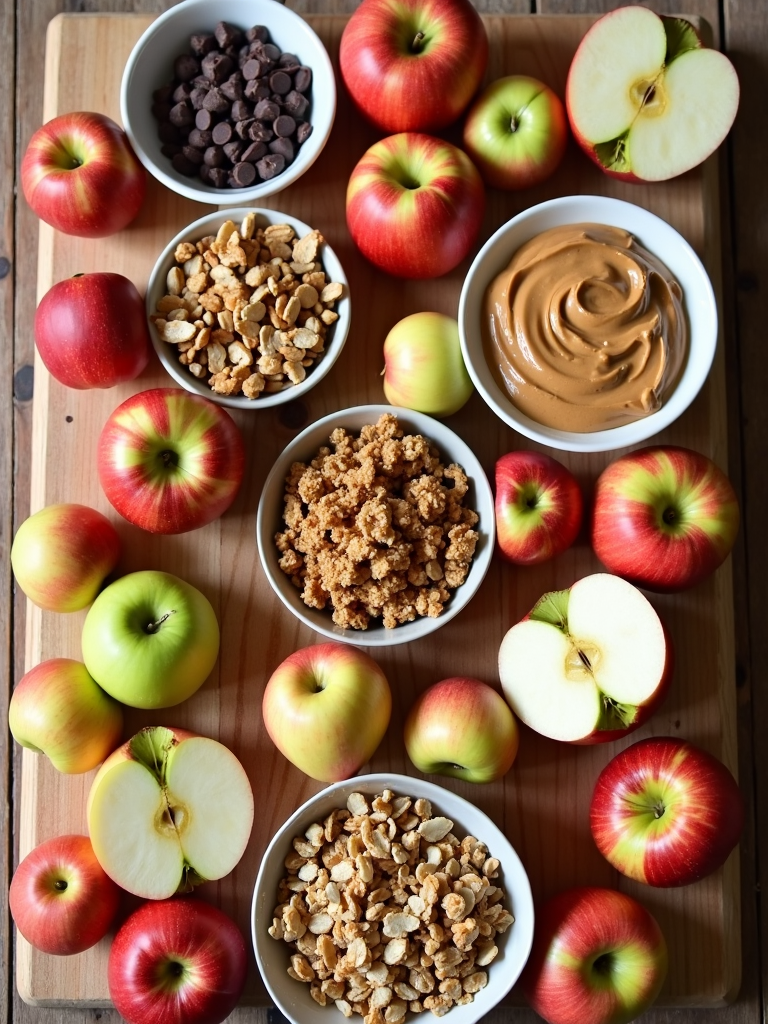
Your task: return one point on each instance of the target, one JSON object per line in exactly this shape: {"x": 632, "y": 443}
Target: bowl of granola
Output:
{"x": 375, "y": 525}
{"x": 375, "y": 876}
{"x": 248, "y": 307}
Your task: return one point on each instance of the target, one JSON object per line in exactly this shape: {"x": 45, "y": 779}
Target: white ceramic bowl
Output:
{"x": 302, "y": 449}
{"x": 150, "y": 66}
{"x": 168, "y": 354}
{"x": 655, "y": 235}
{"x": 292, "y": 997}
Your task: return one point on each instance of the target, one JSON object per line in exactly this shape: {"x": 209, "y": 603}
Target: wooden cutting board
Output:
{"x": 542, "y": 803}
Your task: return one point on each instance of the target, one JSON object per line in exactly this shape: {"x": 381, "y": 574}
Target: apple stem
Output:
{"x": 152, "y": 627}
{"x": 658, "y": 811}
{"x": 418, "y": 39}
{"x": 60, "y": 885}
{"x": 514, "y": 124}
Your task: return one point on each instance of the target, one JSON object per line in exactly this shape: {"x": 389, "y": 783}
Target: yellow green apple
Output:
{"x": 423, "y": 365}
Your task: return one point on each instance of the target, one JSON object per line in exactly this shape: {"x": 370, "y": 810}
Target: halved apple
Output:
{"x": 588, "y": 664}
{"x": 168, "y": 810}
{"x": 645, "y": 100}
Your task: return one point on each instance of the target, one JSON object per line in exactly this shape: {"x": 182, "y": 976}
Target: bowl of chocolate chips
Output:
{"x": 228, "y": 101}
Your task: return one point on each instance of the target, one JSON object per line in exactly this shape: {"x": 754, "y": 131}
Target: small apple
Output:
{"x": 423, "y": 365}
{"x": 62, "y": 554}
{"x": 170, "y": 461}
{"x": 91, "y": 331}
{"x": 589, "y": 664}
{"x": 598, "y": 957}
{"x": 181, "y": 961}
{"x": 415, "y": 205}
{"x": 80, "y": 175}
{"x": 150, "y": 639}
{"x": 414, "y": 65}
{"x": 646, "y": 101}
{"x": 664, "y": 517}
{"x": 462, "y": 728}
{"x": 516, "y": 132}
{"x": 326, "y": 708}
{"x": 61, "y": 899}
{"x": 538, "y": 507}
{"x": 169, "y": 810}
{"x": 666, "y": 812}
{"x": 58, "y": 710}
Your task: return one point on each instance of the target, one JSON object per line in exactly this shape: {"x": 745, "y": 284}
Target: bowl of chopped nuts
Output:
{"x": 376, "y": 525}
{"x": 248, "y": 307}
{"x": 389, "y": 892}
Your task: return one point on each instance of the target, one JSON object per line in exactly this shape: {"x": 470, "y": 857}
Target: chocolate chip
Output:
{"x": 303, "y": 131}
{"x": 259, "y": 132}
{"x": 201, "y": 82}
{"x": 296, "y": 104}
{"x": 185, "y": 67}
{"x": 216, "y": 102}
{"x": 302, "y": 79}
{"x": 283, "y": 147}
{"x": 218, "y": 177}
{"x": 270, "y": 165}
{"x": 169, "y": 133}
{"x": 201, "y": 44}
{"x": 163, "y": 94}
{"x": 252, "y": 69}
{"x": 256, "y": 90}
{"x": 233, "y": 87}
{"x": 214, "y": 156}
{"x": 255, "y": 152}
{"x": 233, "y": 151}
{"x": 203, "y": 173}
{"x": 182, "y": 92}
{"x": 200, "y": 140}
{"x": 259, "y": 33}
{"x": 241, "y": 111}
{"x": 181, "y": 115}
{"x": 204, "y": 120}
{"x": 169, "y": 149}
{"x": 160, "y": 111}
{"x": 280, "y": 82}
{"x": 194, "y": 155}
{"x": 243, "y": 128}
{"x": 217, "y": 67}
{"x": 289, "y": 60}
{"x": 197, "y": 98}
{"x": 266, "y": 110}
{"x": 227, "y": 35}
{"x": 271, "y": 52}
{"x": 284, "y": 126}
{"x": 243, "y": 174}
{"x": 222, "y": 133}
{"x": 184, "y": 166}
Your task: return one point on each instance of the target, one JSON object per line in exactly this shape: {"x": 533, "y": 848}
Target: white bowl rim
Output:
{"x": 600, "y": 210}
{"x": 196, "y": 387}
{"x": 379, "y": 635}
{"x": 520, "y": 901}
{"x": 202, "y": 193}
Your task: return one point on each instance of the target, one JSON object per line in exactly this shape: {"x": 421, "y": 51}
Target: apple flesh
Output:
{"x": 645, "y": 100}
{"x": 598, "y": 957}
{"x": 62, "y": 554}
{"x": 588, "y": 664}
{"x": 61, "y": 899}
{"x": 326, "y": 708}
{"x": 169, "y": 810}
{"x": 462, "y": 728}
{"x": 665, "y": 812}
{"x": 180, "y": 962}
{"x": 423, "y": 365}
{"x": 57, "y": 709}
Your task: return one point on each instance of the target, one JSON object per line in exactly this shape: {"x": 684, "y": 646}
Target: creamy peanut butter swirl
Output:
{"x": 585, "y": 329}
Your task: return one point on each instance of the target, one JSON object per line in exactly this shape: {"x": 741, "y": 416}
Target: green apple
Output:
{"x": 423, "y": 366}
{"x": 150, "y": 640}
{"x": 57, "y": 709}
{"x": 516, "y": 132}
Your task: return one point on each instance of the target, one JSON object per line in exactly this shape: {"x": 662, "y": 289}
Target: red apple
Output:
{"x": 665, "y": 812}
{"x": 538, "y": 507}
{"x": 60, "y": 897}
{"x": 462, "y": 728}
{"x": 664, "y": 517}
{"x": 415, "y": 205}
{"x": 598, "y": 957}
{"x": 91, "y": 331}
{"x": 80, "y": 175}
{"x": 170, "y": 461}
{"x": 326, "y": 708}
{"x": 646, "y": 101}
{"x": 62, "y": 554}
{"x": 178, "y": 961}
{"x": 414, "y": 65}
{"x": 516, "y": 132}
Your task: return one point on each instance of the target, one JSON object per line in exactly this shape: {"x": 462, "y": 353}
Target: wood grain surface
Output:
{"x": 542, "y": 803}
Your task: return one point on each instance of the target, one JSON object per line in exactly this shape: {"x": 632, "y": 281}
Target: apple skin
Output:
{"x": 179, "y": 961}
{"x": 80, "y": 175}
{"x": 57, "y": 709}
{"x": 415, "y": 205}
{"x": 516, "y": 132}
{"x": 150, "y": 640}
{"x": 62, "y": 554}
{"x": 326, "y": 708}
{"x": 574, "y": 930}
{"x": 91, "y": 331}
{"x": 402, "y": 83}
{"x": 169, "y": 461}
{"x": 664, "y": 517}
{"x": 462, "y": 728}
{"x": 538, "y": 505}
{"x": 423, "y": 366}
{"x": 665, "y": 812}
{"x": 60, "y": 897}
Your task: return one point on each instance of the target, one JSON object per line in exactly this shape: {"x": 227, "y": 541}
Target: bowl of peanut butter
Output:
{"x": 588, "y": 323}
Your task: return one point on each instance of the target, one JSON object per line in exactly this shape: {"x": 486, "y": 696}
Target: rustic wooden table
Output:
{"x": 740, "y": 27}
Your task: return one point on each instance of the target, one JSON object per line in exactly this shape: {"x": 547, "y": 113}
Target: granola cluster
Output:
{"x": 387, "y": 911}
{"x": 376, "y": 527}
{"x": 249, "y": 308}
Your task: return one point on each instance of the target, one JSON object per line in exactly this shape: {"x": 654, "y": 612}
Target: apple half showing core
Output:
{"x": 589, "y": 664}
{"x": 169, "y": 810}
